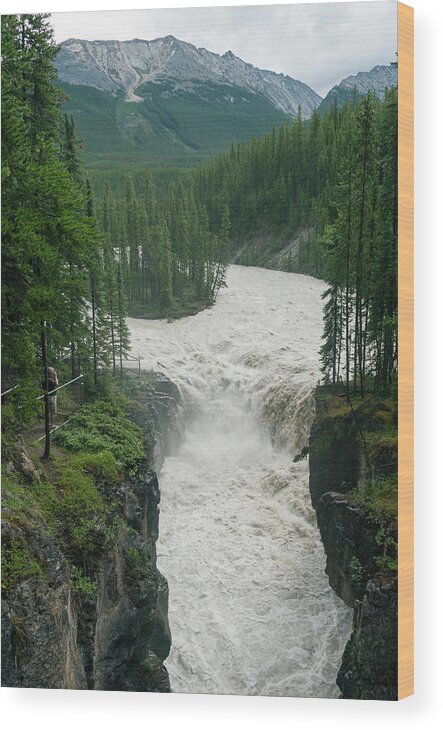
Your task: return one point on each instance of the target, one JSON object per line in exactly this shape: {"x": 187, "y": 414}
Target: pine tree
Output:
{"x": 122, "y": 340}
{"x": 363, "y": 166}
{"x": 70, "y": 148}
{"x": 50, "y": 239}
{"x": 165, "y": 294}
{"x": 219, "y": 279}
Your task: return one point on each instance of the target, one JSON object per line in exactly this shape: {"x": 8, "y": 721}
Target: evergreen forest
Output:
{"x": 78, "y": 257}
{"x": 275, "y": 366}
{"x": 70, "y": 267}
{"x": 334, "y": 177}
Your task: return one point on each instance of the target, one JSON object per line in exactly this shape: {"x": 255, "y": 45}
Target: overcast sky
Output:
{"x": 319, "y": 44}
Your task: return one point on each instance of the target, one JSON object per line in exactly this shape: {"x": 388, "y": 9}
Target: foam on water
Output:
{"x": 251, "y": 611}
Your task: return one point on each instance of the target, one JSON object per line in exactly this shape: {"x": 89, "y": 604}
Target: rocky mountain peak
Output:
{"x": 376, "y": 80}
{"x": 126, "y": 66}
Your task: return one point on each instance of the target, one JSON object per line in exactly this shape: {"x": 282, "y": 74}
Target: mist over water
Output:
{"x": 251, "y": 610}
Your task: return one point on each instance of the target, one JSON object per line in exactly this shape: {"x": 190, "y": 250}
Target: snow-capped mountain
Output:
{"x": 131, "y": 66}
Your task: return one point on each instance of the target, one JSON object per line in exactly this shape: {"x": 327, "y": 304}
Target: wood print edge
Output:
{"x": 406, "y": 350}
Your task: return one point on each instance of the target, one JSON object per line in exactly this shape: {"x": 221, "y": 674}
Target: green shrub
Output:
{"x": 82, "y": 516}
{"x": 101, "y": 427}
{"x": 150, "y": 664}
{"x": 27, "y": 504}
{"x": 357, "y": 572}
{"x": 103, "y": 468}
{"x": 389, "y": 559}
{"x": 376, "y": 441}
{"x": 379, "y": 498}
{"x": 18, "y": 565}
{"x": 136, "y": 564}
{"x": 84, "y": 587}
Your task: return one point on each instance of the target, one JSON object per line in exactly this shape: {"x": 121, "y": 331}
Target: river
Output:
{"x": 251, "y": 610}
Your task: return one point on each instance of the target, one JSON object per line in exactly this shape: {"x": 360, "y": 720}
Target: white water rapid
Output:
{"x": 251, "y": 610}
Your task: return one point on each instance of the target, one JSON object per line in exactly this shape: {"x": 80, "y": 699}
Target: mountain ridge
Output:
{"x": 376, "y": 80}
{"x": 126, "y": 66}
{"x": 187, "y": 104}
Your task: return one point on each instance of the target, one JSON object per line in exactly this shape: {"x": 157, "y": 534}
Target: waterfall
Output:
{"x": 251, "y": 610}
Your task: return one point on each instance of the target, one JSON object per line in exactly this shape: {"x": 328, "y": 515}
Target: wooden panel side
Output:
{"x": 406, "y": 349}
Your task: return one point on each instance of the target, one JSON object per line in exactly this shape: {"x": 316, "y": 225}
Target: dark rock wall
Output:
{"x": 52, "y": 636}
{"x": 347, "y": 536}
{"x": 165, "y": 404}
{"x": 161, "y": 401}
{"x": 369, "y": 666}
{"x": 338, "y": 466}
{"x": 334, "y": 457}
{"x": 131, "y": 636}
{"x": 40, "y": 623}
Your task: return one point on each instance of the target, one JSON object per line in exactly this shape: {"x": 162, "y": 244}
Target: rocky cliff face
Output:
{"x": 349, "y": 540}
{"x": 54, "y": 637}
{"x": 40, "y": 621}
{"x": 369, "y": 666}
{"x": 131, "y": 66}
{"x": 334, "y": 457}
{"x": 359, "y": 546}
{"x": 131, "y": 636}
{"x": 59, "y": 633}
{"x": 165, "y": 404}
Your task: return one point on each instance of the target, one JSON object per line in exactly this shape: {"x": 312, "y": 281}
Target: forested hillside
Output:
{"x": 72, "y": 267}
{"x": 327, "y": 184}
{"x": 55, "y": 259}
{"x": 172, "y": 263}
{"x": 69, "y": 266}
{"x": 167, "y": 127}
{"x": 335, "y": 178}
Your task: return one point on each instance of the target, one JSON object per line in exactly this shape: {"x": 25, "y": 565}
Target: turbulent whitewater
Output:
{"x": 251, "y": 610}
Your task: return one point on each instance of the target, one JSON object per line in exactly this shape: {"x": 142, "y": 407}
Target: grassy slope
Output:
{"x": 70, "y": 499}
